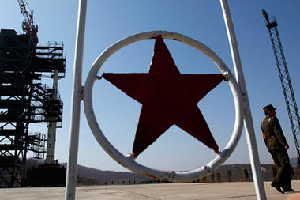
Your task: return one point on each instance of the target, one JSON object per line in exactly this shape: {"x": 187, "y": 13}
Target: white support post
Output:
{"x": 51, "y": 135}
{"x": 248, "y": 121}
{"x": 76, "y": 104}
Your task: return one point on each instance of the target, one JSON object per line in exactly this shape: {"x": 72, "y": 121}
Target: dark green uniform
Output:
{"x": 276, "y": 143}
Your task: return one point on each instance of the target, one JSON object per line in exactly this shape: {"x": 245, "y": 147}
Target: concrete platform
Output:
{"x": 173, "y": 191}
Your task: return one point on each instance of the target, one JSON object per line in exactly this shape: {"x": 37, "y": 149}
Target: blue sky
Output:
{"x": 111, "y": 20}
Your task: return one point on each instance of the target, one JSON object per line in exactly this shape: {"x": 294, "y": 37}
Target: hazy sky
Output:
{"x": 111, "y": 20}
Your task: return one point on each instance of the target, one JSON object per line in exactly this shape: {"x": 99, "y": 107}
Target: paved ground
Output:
{"x": 175, "y": 191}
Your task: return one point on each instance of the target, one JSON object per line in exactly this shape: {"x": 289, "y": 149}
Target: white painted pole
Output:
{"x": 51, "y": 135}
{"x": 248, "y": 121}
{"x": 76, "y": 104}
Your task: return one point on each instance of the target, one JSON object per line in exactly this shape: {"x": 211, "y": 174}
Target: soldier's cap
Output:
{"x": 269, "y": 107}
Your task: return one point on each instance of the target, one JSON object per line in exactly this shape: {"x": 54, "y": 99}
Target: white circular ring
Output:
{"x": 130, "y": 163}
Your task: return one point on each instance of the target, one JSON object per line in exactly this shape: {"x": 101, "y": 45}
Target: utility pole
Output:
{"x": 285, "y": 79}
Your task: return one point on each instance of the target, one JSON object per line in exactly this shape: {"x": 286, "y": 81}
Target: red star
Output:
{"x": 168, "y": 98}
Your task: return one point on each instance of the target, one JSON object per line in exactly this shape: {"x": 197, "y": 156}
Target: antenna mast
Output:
{"x": 285, "y": 79}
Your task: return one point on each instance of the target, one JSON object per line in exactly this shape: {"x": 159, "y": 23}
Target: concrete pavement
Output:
{"x": 174, "y": 191}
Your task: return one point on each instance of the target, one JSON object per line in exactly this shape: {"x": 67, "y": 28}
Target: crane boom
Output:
{"x": 28, "y": 26}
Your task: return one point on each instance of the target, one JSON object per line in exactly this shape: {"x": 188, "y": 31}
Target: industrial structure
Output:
{"x": 285, "y": 79}
{"x": 25, "y": 100}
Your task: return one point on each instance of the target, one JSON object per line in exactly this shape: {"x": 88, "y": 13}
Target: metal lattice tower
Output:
{"x": 285, "y": 79}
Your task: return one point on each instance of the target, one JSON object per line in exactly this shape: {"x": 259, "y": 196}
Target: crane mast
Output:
{"x": 285, "y": 79}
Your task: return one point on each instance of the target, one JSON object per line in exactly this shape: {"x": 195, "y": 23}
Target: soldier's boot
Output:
{"x": 277, "y": 186}
{"x": 288, "y": 188}
{"x": 279, "y": 189}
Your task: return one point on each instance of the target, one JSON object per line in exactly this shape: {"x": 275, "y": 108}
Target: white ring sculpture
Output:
{"x": 131, "y": 163}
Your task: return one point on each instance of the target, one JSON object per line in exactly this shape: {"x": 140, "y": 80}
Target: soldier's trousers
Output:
{"x": 284, "y": 170}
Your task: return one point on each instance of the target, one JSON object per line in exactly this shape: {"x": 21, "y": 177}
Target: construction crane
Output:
{"x": 28, "y": 26}
{"x": 285, "y": 79}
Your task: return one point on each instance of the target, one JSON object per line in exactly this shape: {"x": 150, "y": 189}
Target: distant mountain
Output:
{"x": 92, "y": 176}
{"x": 229, "y": 172}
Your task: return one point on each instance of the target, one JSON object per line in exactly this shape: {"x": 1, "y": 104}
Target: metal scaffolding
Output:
{"x": 24, "y": 100}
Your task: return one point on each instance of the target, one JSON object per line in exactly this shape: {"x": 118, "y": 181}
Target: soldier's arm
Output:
{"x": 279, "y": 133}
{"x": 262, "y": 132}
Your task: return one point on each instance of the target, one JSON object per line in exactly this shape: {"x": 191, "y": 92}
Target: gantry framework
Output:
{"x": 24, "y": 100}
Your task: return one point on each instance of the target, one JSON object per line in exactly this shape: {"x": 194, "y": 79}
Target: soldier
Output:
{"x": 277, "y": 146}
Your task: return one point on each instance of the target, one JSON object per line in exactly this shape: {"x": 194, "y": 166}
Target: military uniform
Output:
{"x": 276, "y": 144}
